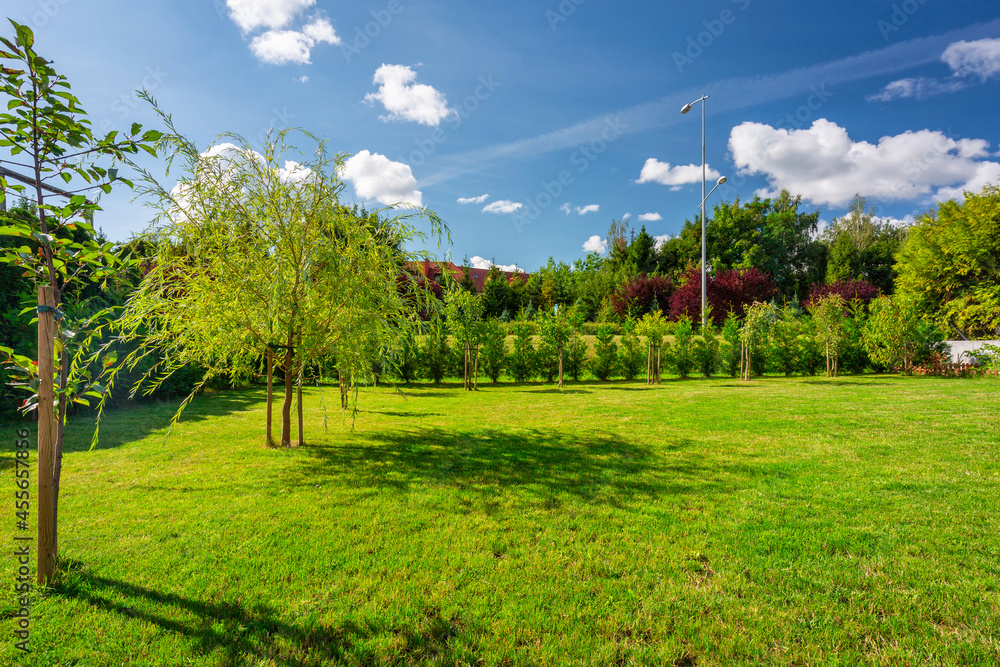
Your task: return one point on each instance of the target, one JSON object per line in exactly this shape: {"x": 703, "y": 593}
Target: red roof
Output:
{"x": 479, "y": 276}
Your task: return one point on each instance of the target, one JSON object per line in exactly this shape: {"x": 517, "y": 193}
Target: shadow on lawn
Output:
{"x": 134, "y": 422}
{"x": 258, "y": 633}
{"x": 544, "y": 463}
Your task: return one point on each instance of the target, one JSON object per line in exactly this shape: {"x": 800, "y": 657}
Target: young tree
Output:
{"x": 784, "y": 341}
{"x": 494, "y": 349}
{"x": 631, "y": 355}
{"x": 892, "y": 334}
{"x": 436, "y": 351}
{"x": 682, "y": 353}
{"x": 556, "y": 329}
{"x": 605, "y": 362}
{"x": 522, "y": 361}
{"x": 47, "y": 131}
{"x": 828, "y": 315}
{"x": 707, "y": 350}
{"x": 653, "y": 327}
{"x": 732, "y": 348}
{"x": 755, "y": 335}
{"x": 465, "y": 321}
{"x": 254, "y": 252}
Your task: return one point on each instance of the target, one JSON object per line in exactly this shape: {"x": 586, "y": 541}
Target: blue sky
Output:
{"x": 564, "y": 114}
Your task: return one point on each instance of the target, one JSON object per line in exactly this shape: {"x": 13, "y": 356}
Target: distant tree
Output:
{"x": 637, "y": 296}
{"x": 497, "y": 296}
{"x": 949, "y": 266}
{"x": 862, "y": 247}
{"x": 494, "y": 352}
{"x": 642, "y": 252}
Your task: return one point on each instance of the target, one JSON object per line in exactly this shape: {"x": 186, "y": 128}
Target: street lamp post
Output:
{"x": 704, "y": 197}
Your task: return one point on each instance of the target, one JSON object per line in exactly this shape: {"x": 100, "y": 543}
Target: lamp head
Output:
{"x": 722, "y": 179}
{"x": 686, "y": 108}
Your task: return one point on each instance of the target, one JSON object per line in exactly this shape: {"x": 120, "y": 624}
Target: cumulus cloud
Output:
{"x": 626, "y": 216}
{"x": 473, "y": 200}
{"x": 502, "y": 206}
{"x": 405, "y": 99}
{"x": 825, "y": 166}
{"x": 589, "y": 208}
{"x": 478, "y": 262}
{"x": 374, "y": 176}
{"x": 596, "y": 244}
{"x": 252, "y": 14}
{"x": 967, "y": 60}
{"x": 566, "y": 208}
{"x": 651, "y": 217}
{"x": 658, "y": 241}
{"x": 278, "y": 44}
{"x": 655, "y": 171}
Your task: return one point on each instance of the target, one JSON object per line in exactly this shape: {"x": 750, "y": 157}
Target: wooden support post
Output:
{"x": 270, "y": 394}
{"x": 301, "y": 435}
{"x": 560, "y": 365}
{"x": 46, "y": 436}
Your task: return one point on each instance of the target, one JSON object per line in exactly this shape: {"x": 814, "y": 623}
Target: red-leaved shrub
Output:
{"x": 635, "y": 296}
{"x": 733, "y": 289}
{"x": 848, "y": 289}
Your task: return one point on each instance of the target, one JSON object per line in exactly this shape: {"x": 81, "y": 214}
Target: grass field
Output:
{"x": 804, "y": 521}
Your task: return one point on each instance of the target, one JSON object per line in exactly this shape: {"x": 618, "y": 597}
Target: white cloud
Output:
{"x": 825, "y": 166}
{"x": 473, "y": 200}
{"x": 303, "y": 79}
{"x": 967, "y": 60}
{"x": 406, "y": 100}
{"x": 375, "y": 176}
{"x": 596, "y": 244}
{"x": 651, "y": 217}
{"x": 589, "y": 208}
{"x": 655, "y": 171}
{"x": 281, "y": 47}
{"x": 566, "y": 208}
{"x": 252, "y": 14}
{"x": 658, "y": 241}
{"x": 502, "y": 206}
{"x": 978, "y": 58}
{"x": 626, "y": 216}
{"x": 478, "y": 262}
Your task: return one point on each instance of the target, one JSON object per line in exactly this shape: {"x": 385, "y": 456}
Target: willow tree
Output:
{"x": 828, "y": 315}
{"x": 257, "y": 258}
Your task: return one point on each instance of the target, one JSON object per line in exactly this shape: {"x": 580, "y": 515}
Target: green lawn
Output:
{"x": 805, "y": 521}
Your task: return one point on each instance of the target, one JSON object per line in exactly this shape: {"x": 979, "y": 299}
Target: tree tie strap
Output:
{"x": 58, "y": 314}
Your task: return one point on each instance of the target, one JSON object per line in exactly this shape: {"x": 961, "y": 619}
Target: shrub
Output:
{"x": 732, "y": 290}
{"x": 849, "y": 290}
{"x": 681, "y": 355}
{"x": 706, "y": 352}
{"x": 436, "y": 355}
{"x": 575, "y": 357}
{"x": 638, "y": 295}
{"x": 522, "y": 361}
{"x": 632, "y": 355}
{"x": 605, "y": 362}
{"x": 732, "y": 347}
{"x": 784, "y": 353}
{"x": 494, "y": 350}
{"x": 407, "y": 362}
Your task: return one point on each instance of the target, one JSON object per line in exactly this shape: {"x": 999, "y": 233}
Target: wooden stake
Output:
{"x": 560, "y": 366}
{"x": 270, "y": 395}
{"x": 301, "y": 436}
{"x": 46, "y": 437}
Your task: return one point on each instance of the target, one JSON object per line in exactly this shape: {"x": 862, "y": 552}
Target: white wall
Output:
{"x": 959, "y": 347}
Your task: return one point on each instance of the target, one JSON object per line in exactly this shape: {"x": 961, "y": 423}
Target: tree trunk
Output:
{"x": 476, "y": 375}
{"x": 47, "y": 433}
{"x": 658, "y": 348}
{"x": 560, "y": 365}
{"x": 286, "y": 405}
{"x": 270, "y": 395}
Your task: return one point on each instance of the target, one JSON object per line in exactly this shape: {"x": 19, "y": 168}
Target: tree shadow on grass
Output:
{"x": 539, "y": 463}
{"x": 241, "y": 634}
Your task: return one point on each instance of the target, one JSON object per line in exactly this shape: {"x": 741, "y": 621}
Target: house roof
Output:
{"x": 478, "y": 276}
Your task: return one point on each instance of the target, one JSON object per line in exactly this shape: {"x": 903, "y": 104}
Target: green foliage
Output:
{"x": 653, "y": 327}
{"x": 863, "y": 248}
{"x": 436, "y": 354}
{"x": 852, "y": 357}
{"x": 949, "y": 265}
{"x": 812, "y": 353}
{"x": 632, "y": 354}
{"x": 575, "y": 354}
{"x": 897, "y": 337}
{"x": 682, "y": 354}
{"x": 493, "y": 356}
{"x": 785, "y": 350}
{"x": 407, "y": 361}
{"x": 755, "y": 335}
{"x": 828, "y": 316}
{"x": 522, "y": 363}
{"x": 732, "y": 346}
{"x": 706, "y": 351}
{"x": 556, "y": 328}
{"x": 605, "y": 362}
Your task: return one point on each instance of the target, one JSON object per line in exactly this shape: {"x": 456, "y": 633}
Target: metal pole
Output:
{"x": 703, "y": 177}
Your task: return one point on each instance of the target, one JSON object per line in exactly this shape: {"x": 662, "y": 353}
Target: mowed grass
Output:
{"x": 805, "y": 521}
